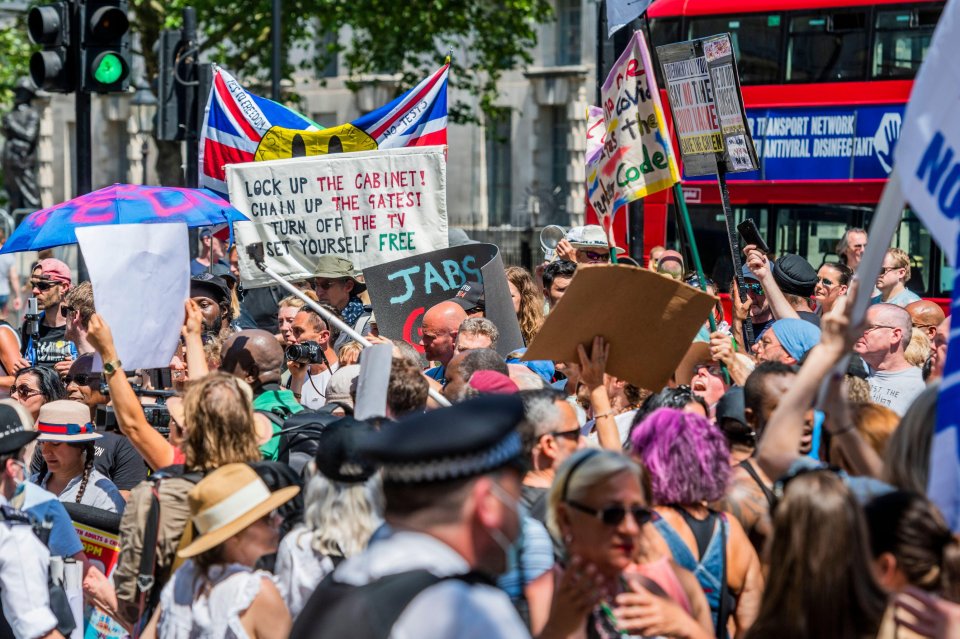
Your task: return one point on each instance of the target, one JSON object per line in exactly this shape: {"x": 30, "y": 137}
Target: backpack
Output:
{"x": 154, "y": 526}
{"x": 369, "y": 611}
{"x": 299, "y": 433}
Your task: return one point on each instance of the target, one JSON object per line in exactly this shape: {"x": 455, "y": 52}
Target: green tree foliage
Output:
{"x": 15, "y": 50}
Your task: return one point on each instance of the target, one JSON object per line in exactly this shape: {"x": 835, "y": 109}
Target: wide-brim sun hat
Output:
{"x": 65, "y": 420}
{"x": 226, "y": 502}
{"x": 591, "y": 236}
{"x": 335, "y": 268}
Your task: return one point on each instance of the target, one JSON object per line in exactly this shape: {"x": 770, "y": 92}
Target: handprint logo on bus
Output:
{"x": 885, "y": 139}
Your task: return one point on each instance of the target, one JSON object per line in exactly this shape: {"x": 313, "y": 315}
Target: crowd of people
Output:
{"x": 549, "y": 499}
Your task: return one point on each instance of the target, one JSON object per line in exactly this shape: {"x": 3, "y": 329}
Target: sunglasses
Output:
{"x": 43, "y": 286}
{"x": 825, "y": 281}
{"x": 82, "y": 379}
{"x": 614, "y": 515}
{"x": 596, "y": 257}
{"x": 327, "y": 284}
{"x": 23, "y": 391}
{"x": 754, "y": 288}
{"x": 65, "y": 310}
{"x": 572, "y": 434}
{"x": 887, "y": 269}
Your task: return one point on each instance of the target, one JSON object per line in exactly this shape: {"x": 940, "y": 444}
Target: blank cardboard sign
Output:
{"x": 648, "y": 319}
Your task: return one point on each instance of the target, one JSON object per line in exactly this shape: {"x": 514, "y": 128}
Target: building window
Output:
{"x": 556, "y": 206}
{"x": 499, "y": 168}
{"x": 327, "y": 47}
{"x": 568, "y": 32}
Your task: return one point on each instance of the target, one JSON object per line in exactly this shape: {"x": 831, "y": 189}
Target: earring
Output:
{"x": 568, "y": 539}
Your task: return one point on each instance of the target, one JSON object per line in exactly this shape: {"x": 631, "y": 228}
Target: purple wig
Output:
{"x": 685, "y": 455}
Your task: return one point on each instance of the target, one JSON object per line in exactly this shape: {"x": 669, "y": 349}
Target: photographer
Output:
{"x": 311, "y": 358}
{"x": 44, "y": 338}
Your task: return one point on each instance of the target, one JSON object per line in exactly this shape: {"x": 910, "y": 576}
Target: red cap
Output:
{"x": 492, "y": 382}
{"x": 52, "y": 269}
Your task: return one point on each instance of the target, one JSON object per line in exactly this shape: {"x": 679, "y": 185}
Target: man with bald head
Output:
{"x": 926, "y": 316}
{"x": 441, "y": 325}
{"x": 670, "y": 264}
{"x": 894, "y": 382}
{"x": 256, "y": 357}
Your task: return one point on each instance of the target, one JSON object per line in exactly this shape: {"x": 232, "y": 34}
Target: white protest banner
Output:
{"x": 370, "y": 207}
{"x": 141, "y": 278}
{"x": 926, "y": 156}
{"x": 636, "y": 158}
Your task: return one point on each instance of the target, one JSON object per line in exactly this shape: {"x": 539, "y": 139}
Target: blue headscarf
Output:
{"x": 797, "y": 336}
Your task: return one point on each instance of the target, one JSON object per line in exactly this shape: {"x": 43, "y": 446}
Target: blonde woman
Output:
{"x": 527, "y": 301}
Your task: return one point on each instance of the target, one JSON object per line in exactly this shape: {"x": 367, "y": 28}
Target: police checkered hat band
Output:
{"x": 450, "y": 468}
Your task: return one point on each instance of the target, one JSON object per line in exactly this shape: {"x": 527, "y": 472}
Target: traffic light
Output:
{"x": 53, "y": 68}
{"x": 104, "y": 46}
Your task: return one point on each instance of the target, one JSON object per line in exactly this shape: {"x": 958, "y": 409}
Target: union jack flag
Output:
{"x": 235, "y": 121}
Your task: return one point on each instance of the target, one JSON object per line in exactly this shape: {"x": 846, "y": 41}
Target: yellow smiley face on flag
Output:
{"x": 279, "y": 143}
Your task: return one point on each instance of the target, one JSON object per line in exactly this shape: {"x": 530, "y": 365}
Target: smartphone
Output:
{"x": 751, "y": 235}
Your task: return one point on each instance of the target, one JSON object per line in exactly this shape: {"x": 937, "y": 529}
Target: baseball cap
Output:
{"x": 53, "y": 269}
{"x": 469, "y": 297}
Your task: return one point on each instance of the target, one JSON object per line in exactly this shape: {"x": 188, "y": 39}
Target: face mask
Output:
{"x": 510, "y": 547}
{"x": 23, "y": 472}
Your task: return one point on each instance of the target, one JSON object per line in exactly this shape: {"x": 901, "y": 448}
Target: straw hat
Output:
{"x": 65, "y": 420}
{"x": 227, "y": 501}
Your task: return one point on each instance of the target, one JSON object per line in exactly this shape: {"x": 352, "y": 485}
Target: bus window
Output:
{"x": 902, "y": 39}
{"x": 662, "y": 31}
{"x": 756, "y": 42}
{"x": 826, "y": 47}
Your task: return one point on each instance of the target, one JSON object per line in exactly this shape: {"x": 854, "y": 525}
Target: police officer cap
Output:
{"x": 16, "y": 427}
{"x": 337, "y": 455}
{"x": 472, "y": 438}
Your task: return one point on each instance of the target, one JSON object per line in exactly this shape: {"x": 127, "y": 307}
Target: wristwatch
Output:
{"x": 109, "y": 368}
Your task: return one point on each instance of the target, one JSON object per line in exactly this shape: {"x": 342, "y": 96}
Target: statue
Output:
{"x": 21, "y": 128}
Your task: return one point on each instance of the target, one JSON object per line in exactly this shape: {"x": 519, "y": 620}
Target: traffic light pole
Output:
{"x": 83, "y": 161}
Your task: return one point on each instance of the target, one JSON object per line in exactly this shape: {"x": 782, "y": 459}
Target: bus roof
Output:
{"x": 671, "y": 8}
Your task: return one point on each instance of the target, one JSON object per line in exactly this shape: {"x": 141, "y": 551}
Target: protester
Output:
{"x": 9, "y": 283}
{"x": 35, "y": 386}
{"x": 687, "y": 461}
{"x": 66, "y": 442}
{"x": 925, "y": 316}
{"x": 451, "y": 506}
{"x": 10, "y": 358}
{"x": 471, "y": 299}
{"x": 212, "y": 251}
{"x": 556, "y": 279}
{"x": 833, "y": 280}
{"x": 216, "y": 592}
{"x": 527, "y": 302}
{"x": 912, "y": 545}
{"x": 77, "y": 307}
{"x": 212, "y": 296}
{"x": 893, "y": 381}
{"x": 317, "y": 360}
{"x": 50, "y": 280}
{"x": 797, "y": 281}
{"x": 343, "y": 506}
{"x": 407, "y": 389}
{"x": 287, "y": 311}
{"x": 441, "y": 324}
{"x": 655, "y": 254}
{"x": 220, "y": 430}
{"x": 256, "y": 357}
{"x": 476, "y": 332}
{"x": 586, "y": 245}
{"x": 597, "y": 510}
{"x": 550, "y": 435}
{"x": 938, "y": 352}
{"x": 917, "y": 352}
{"x": 462, "y": 368}
{"x": 851, "y": 246}
{"x": 876, "y": 424}
{"x": 786, "y": 341}
{"x": 756, "y": 309}
{"x": 893, "y": 278}
{"x": 338, "y": 285}
{"x": 670, "y": 263}
{"x": 846, "y": 600}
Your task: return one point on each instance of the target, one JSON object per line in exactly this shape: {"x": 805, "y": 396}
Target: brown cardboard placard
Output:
{"x": 648, "y": 319}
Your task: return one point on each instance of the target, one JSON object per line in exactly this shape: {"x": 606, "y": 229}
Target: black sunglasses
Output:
{"x": 572, "y": 434}
{"x": 82, "y": 379}
{"x": 43, "y": 286}
{"x": 614, "y": 515}
{"x": 66, "y": 310}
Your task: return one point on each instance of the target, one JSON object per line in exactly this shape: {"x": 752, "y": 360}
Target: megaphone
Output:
{"x": 550, "y": 236}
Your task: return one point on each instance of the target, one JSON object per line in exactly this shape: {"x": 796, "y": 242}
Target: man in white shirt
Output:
{"x": 317, "y": 361}
{"x": 894, "y": 382}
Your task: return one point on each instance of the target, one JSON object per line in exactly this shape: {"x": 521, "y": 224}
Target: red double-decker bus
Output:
{"x": 825, "y": 84}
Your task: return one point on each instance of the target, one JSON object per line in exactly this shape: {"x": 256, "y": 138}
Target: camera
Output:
{"x": 305, "y": 353}
{"x": 32, "y": 317}
{"x": 158, "y": 415}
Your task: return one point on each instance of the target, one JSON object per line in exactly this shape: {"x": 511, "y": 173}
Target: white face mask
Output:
{"x": 507, "y": 545}
{"x": 23, "y": 472}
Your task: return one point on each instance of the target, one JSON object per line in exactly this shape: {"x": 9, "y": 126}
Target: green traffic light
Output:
{"x": 109, "y": 69}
